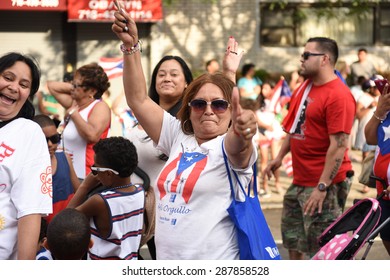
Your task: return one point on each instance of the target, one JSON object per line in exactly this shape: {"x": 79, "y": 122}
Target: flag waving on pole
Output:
{"x": 112, "y": 66}
{"x": 281, "y": 95}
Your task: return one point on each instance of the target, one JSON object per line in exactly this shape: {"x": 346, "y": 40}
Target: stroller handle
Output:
{"x": 384, "y": 184}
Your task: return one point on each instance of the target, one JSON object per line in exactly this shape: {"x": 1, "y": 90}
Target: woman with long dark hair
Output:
{"x": 25, "y": 181}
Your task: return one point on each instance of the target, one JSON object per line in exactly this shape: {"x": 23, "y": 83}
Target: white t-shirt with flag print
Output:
{"x": 192, "y": 195}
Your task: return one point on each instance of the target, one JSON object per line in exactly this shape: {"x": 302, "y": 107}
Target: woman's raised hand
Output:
{"x": 232, "y": 57}
{"x": 124, "y": 27}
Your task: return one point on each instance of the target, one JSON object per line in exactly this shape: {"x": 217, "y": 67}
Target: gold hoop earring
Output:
{"x": 185, "y": 127}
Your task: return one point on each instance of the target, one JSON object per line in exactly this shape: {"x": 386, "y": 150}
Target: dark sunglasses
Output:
{"x": 218, "y": 105}
{"x": 306, "y": 55}
{"x": 95, "y": 170}
{"x": 55, "y": 139}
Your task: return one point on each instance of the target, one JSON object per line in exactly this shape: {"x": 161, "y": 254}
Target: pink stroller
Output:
{"x": 343, "y": 239}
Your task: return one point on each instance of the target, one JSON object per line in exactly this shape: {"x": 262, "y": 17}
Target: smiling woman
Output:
{"x": 24, "y": 160}
{"x": 21, "y": 82}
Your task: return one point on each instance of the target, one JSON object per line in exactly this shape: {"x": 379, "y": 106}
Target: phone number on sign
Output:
{"x": 109, "y": 15}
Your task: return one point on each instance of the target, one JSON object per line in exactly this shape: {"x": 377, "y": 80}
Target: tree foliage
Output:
{"x": 170, "y": 2}
{"x": 356, "y": 7}
{"x": 327, "y": 7}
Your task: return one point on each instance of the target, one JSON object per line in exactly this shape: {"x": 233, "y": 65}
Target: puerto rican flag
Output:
{"x": 188, "y": 168}
{"x": 281, "y": 96}
{"x": 112, "y": 66}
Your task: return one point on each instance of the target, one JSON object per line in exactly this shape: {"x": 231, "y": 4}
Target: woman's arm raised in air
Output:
{"x": 148, "y": 113}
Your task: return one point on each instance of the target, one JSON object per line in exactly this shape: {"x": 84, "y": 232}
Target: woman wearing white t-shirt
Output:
{"x": 25, "y": 181}
{"x": 170, "y": 78}
{"x": 192, "y": 192}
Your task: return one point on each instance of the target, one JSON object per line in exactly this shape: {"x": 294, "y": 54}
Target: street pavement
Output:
{"x": 272, "y": 208}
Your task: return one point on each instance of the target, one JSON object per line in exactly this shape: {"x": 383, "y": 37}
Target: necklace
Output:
{"x": 120, "y": 187}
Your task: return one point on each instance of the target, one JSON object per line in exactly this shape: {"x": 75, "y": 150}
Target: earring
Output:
{"x": 185, "y": 129}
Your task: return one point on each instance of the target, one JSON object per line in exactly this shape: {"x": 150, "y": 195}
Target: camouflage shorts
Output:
{"x": 301, "y": 232}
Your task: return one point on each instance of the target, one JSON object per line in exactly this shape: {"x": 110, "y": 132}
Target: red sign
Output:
{"x": 103, "y": 10}
{"x": 33, "y": 5}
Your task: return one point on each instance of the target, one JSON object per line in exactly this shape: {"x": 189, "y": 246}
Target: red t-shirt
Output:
{"x": 328, "y": 109}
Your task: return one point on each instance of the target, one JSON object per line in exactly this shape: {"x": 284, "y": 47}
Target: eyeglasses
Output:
{"x": 56, "y": 138}
{"x": 77, "y": 85}
{"x": 306, "y": 55}
{"x": 218, "y": 105}
{"x": 95, "y": 170}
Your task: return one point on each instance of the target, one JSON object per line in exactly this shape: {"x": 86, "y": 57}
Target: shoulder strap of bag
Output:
{"x": 236, "y": 176}
{"x": 144, "y": 176}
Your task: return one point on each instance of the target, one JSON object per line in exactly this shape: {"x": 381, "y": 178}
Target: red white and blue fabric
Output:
{"x": 281, "y": 96}
{"x": 112, "y": 66}
{"x": 290, "y": 122}
{"x": 382, "y": 156}
{"x": 125, "y": 210}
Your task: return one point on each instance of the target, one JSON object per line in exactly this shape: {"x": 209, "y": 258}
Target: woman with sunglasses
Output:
{"x": 170, "y": 78}
{"x": 65, "y": 181}
{"x": 192, "y": 191}
{"x": 25, "y": 171}
{"x": 87, "y": 118}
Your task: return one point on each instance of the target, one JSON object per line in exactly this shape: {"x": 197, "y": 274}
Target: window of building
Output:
{"x": 292, "y": 25}
{"x": 384, "y": 26}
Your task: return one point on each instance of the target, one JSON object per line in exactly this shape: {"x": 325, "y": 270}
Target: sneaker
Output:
{"x": 265, "y": 195}
{"x": 261, "y": 191}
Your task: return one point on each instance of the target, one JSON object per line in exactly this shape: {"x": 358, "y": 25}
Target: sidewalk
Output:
{"x": 275, "y": 201}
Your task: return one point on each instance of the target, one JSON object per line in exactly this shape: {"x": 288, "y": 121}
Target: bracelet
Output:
{"x": 378, "y": 118}
{"x": 71, "y": 112}
{"x": 133, "y": 49}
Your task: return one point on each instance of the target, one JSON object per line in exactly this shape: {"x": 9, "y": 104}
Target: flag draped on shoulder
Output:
{"x": 281, "y": 96}
{"x": 112, "y": 66}
{"x": 290, "y": 122}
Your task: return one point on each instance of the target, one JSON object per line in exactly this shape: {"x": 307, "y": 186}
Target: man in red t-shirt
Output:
{"x": 318, "y": 124}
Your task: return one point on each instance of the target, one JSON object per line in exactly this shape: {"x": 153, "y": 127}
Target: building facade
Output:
{"x": 272, "y": 36}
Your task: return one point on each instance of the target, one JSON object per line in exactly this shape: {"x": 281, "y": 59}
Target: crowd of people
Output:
{"x": 104, "y": 196}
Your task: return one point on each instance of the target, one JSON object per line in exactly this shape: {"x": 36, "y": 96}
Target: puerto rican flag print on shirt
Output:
{"x": 184, "y": 182}
{"x": 382, "y": 160}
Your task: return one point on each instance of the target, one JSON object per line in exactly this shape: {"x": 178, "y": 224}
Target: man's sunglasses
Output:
{"x": 95, "y": 170}
{"x": 54, "y": 139}
{"x": 306, "y": 55}
{"x": 218, "y": 105}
